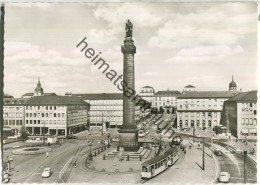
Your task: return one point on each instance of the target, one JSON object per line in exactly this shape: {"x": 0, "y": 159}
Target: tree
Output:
{"x": 217, "y": 129}
{"x": 161, "y": 110}
{"x": 24, "y": 134}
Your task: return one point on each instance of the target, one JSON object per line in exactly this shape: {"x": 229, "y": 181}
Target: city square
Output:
{"x": 66, "y": 125}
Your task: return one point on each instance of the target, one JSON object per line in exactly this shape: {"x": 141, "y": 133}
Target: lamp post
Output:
{"x": 160, "y": 144}
{"x": 245, "y": 156}
{"x": 43, "y": 133}
{"x": 203, "y": 156}
{"x": 108, "y": 142}
{"x": 90, "y": 154}
{"x": 102, "y": 125}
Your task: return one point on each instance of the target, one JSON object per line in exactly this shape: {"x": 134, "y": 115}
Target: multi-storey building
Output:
{"x": 239, "y": 115}
{"x": 13, "y": 114}
{"x": 166, "y": 100}
{"x": 148, "y": 94}
{"x": 56, "y": 115}
{"x": 201, "y": 109}
{"x": 107, "y": 109}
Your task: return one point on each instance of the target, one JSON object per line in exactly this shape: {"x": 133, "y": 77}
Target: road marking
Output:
{"x": 231, "y": 156}
{"x": 63, "y": 169}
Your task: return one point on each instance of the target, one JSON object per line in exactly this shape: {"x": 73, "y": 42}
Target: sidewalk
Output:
{"x": 247, "y": 147}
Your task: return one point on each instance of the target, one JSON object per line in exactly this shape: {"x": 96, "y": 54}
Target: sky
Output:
{"x": 178, "y": 44}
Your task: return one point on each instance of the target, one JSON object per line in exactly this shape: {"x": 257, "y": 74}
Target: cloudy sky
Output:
{"x": 177, "y": 44}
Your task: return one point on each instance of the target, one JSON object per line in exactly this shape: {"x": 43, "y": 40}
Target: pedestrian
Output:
{"x": 47, "y": 154}
{"x": 60, "y": 143}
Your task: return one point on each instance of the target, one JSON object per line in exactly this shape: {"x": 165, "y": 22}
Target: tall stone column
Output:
{"x": 128, "y": 136}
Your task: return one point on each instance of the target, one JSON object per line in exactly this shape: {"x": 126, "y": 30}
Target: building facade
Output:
{"x": 166, "y": 100}
{"x": 201, "y": 109}
{"x": 13, "y": 114}
{"x": 148, "y": 94}
{"x": 239, "y": 115}
{"x": 56, "y": 115}
{"x": 107, "y": 109}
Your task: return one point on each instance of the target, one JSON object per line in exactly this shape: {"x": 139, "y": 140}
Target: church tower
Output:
{"x": 232, "y": 85}
{"x": 38, "y": 90}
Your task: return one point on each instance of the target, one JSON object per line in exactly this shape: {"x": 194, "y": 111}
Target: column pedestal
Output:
{"x": 128, "y": 138}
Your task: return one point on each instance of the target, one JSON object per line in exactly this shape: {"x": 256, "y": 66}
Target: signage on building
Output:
{"x": 247, "y": 109}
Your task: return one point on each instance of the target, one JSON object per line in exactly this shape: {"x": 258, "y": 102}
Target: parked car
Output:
{"x": 47, "y": 172}
{"x": 12, "y": 137}
{"x": 72, "y": 137}
{"x": 224, "y": 177}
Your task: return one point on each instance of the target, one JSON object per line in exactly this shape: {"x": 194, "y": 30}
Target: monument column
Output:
{"x": 128, "y": 137}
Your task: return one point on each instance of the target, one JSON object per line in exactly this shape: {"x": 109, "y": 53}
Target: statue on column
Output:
{"x": 128, "y": 29}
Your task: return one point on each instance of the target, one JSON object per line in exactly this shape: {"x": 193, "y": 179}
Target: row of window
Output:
{"x": 75, "y": 114}
{"x": 12, "y": 115}
{"x": 244, "y": 105}
{"x": 249, "y": 112}
{"x": 77, "y": 107}
{"x": 198, "y": 114}
{"x": 12, "y": 108}
{"x": 46, "y": 122}
{"x": 78, "y": 120}
{"x": 204, "y": 100}
{"x": 42, "y": 115}
{"x": 202, "y": 106}
{"x": 198, "y": 123}
{"x": 45, "y": 108}
{"x": 248, "y": 121}
{"x": 13, "y": 122}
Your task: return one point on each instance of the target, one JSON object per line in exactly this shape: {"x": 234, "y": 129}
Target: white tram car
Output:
{"x": 160, "y": 163}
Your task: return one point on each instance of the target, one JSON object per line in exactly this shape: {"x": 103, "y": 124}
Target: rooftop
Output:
{"x": 8, "y": 96}
{"x": 147, "y": 86}
{"x": 207, "y": 94}
{"x": 55, "y": 100}
{"x": 44, "y": 94}
{"x": 15, "y": 101}
{"x": 168, "y": 92}
{"x": 189, "y": 86}
{"x": 100, "y": 96}
{"x": 245, "y": 96}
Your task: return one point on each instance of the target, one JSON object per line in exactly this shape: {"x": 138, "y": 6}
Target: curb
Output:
{"x": 251, "y": 157}
{"x": 216, "y": 168}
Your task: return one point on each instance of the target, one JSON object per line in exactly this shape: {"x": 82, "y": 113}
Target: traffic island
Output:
{"x": 114, "y": 161}
{"x": 31, "y": 150}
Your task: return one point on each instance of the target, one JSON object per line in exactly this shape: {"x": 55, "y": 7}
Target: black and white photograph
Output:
{"x": 129, "y": 92}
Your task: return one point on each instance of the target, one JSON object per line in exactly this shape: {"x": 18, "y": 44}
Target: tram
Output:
{"x": 160, "y": 163}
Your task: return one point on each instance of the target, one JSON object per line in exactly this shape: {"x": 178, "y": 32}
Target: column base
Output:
{"x": 128, "y": 139}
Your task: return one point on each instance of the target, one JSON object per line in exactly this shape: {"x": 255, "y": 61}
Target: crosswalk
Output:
{"x": 226, "y": 150}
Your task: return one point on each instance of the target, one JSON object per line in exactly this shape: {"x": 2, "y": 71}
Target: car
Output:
{"x": 115, "y": 139}
{"x": 72, "y": 137}
{"x": 47, "y": 172}
{"x": 224, "y": 177}
{"x": 12, "y": 137}
{"x": 239, "y": 151}
{"x": 218, "y": 152}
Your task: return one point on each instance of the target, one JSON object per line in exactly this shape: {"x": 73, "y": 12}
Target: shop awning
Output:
{"x": 244, "y": 131}
{"x": 252, "y": 130}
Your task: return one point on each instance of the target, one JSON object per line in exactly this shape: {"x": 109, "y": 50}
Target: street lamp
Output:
{"x": 160, "y": 144}
{"x": 108, "y": 143}
{"x": 90, "y": 154}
